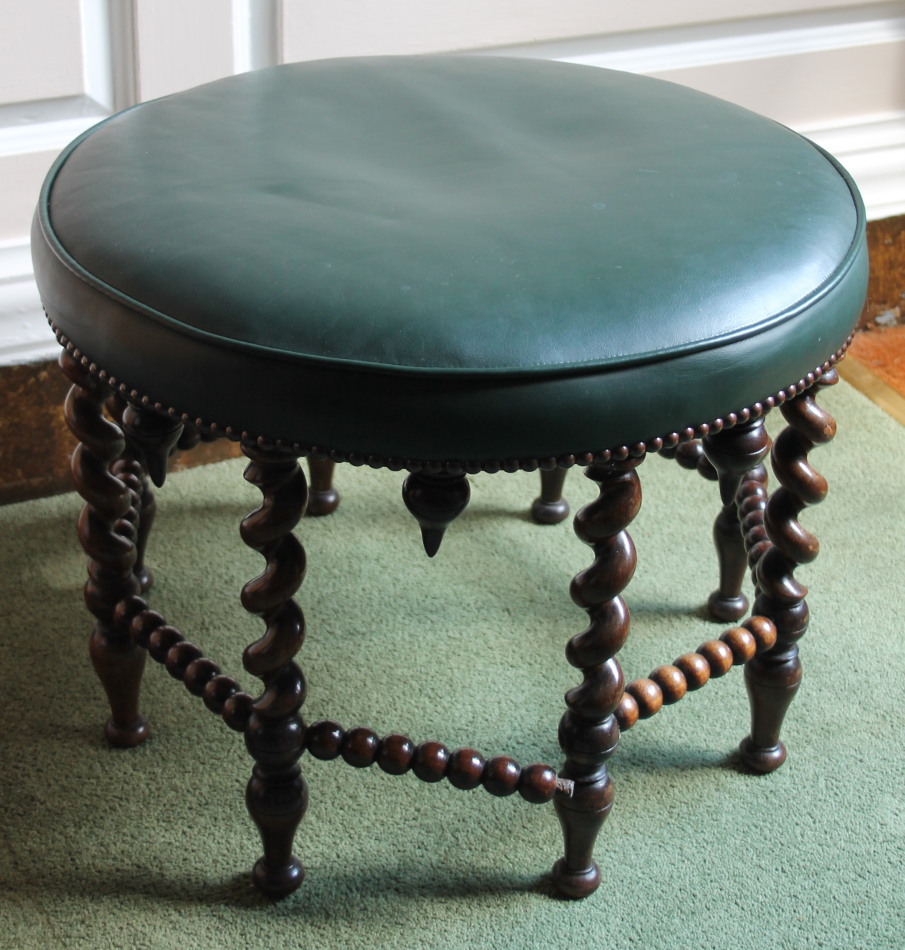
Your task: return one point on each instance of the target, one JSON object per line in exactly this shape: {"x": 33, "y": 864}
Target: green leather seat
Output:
{"x": 448, "y": 258}
{"x": 450, "y": 264}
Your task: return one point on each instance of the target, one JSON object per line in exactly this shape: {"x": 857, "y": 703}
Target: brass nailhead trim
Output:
{"x": 455, "y": 467}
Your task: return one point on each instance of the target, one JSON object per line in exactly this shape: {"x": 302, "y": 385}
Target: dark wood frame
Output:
{"x": 124, "y": 444}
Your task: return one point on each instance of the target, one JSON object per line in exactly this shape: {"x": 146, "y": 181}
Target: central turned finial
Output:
{"x": 435, "y": 501}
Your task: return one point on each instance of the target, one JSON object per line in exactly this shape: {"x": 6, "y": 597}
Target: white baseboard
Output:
{"x": 873, "y": 151}
{"x": 25, "y": 335}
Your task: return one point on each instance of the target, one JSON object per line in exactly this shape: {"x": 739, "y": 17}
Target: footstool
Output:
{"x": 449, "y": 265}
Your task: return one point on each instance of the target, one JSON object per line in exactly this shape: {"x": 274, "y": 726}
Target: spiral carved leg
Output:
{"x": 150, "y": 439}
{"x": 106, "y": 531}
{"x": 277, "y": 795}
{"x": 323, "y": 499}
{"x": 146, "y": 516}
{"x": 589, "y": 732}
{"x": 550, "y": 507}
{"x": 734, "y": 453}
{"x": 773, "y": 678}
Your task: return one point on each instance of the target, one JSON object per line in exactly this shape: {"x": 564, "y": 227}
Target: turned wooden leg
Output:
{"x": 772, "y": 678}
{"x": 323, "y": 499}
{"x": 277, "y": 795}
{"x": 588, "y": 732}
{"x": 735, "y": 453}
{"x": 147, "y": 513}
{"x": 150, "y": 440}
{"x": 550, "y": 507}
{"x": 106, "y": 530}
{"x": 435, "y": 500}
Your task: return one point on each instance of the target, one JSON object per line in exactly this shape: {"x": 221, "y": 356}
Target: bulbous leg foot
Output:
{"x": 761, "y": 760}
{"x": 727, "y": 609}
{"x": 127, "y": 737}
{"x": 277, "y": 882}
{"x": 575, "y": 884}
{"x": 550, "y": 507}
{"x": 323, "y": 498}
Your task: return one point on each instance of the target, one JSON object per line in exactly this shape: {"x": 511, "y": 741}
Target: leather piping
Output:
{"x": 832, "y": 280}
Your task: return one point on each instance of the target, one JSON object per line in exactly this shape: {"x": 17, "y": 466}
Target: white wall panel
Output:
{"x": 38, "y": 58}
{"x": 40, "y": 50}
{"x": 181, "y": 43}
{"x": 816, "y": 88}
{"x": 24, "y": 333}
{"x": 315, "y": 29}
{"x": 21, "y": 177}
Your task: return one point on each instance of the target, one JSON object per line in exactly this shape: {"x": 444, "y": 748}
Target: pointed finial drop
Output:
{"x": 431, "y": 538}
{"x": 152, "y": 436}
{"x": 435, "y": 500}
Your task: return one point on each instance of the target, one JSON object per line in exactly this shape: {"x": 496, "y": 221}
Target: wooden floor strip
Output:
{"x": 880, "y": 393}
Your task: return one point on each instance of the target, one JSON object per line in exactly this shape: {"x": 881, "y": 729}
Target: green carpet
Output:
{"x": 152, "y": 847}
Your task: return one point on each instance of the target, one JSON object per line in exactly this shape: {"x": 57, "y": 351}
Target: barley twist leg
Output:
{"x": 150, "y": 440}
{"x": 589, "y": 732}
{"x": 106, "y": 530}
{"x": 772, "y": 678}
{"x": 277, "y": 795}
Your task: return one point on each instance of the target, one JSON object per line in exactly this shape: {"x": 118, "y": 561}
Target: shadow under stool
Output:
{"x": 450, "y": 265}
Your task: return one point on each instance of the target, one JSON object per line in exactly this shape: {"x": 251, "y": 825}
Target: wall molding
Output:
{"x": 108, "y": 54}
{"x": 873, "y": 151}
{"x": 47, "y": 125}
{"x": 713, "y": 44}
{"x": 256, "y": 34}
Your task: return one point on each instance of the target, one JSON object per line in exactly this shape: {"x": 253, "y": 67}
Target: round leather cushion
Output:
{"x": 450, "y": 257}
